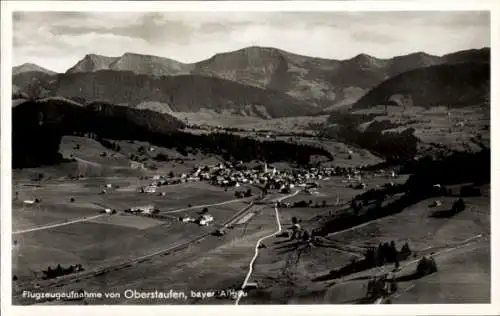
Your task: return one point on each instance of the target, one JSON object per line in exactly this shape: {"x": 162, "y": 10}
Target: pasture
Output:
{"x": 68, "y": 232}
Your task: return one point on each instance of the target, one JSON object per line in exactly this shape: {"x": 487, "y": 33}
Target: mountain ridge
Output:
{"x": 314, "y": 83}
{"x": 31, "y": 67}
{"x": 451, "y": 85}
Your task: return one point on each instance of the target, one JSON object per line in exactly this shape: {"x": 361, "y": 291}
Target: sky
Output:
{"x": 57, "y": 40}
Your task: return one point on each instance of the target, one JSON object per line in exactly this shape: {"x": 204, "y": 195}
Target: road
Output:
{"x": 256, "y": 251}
{"x": 78, "y": 220}
{"x": 205, "y": 205}
{"x": 114, "y": 267}
{"x": 96, "y": 164}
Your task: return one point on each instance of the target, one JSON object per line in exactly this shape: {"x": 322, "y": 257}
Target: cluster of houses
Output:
{"x": 145, "y": 210}
{"x": 203, "y": 220}
{"x": 269, "y": 177}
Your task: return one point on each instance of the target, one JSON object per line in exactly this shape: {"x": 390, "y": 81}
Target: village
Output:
{"x": 266, "y": 178}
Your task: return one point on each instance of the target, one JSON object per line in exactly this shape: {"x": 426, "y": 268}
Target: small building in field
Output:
{"x": 147, "y": 209}
{"x": 187, "y": 219}
{"x": 136, "y": 165}
{"x": 149, "y": 189}
{"x": 251, "y": 285}
{"x": 205, "y": 219}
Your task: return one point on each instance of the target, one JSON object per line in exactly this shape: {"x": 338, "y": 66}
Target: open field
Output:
{"x": 422, "y": 231}
{"x": 464, "y": 276}
{"x": 122, "y": 251}
{"x": 451, "y": 127}
{"x": 210, "y": 263}
{"x": 57, "y": 231}
{"x": 460, "y": 245}
{"x": 282, "y": 269}
{"x": 286, "y": 124}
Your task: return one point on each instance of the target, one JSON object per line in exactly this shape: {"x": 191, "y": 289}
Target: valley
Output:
{"x": 256, "y": 176}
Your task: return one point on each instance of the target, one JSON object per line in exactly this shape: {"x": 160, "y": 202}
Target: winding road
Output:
{"x": 256, "y": 254}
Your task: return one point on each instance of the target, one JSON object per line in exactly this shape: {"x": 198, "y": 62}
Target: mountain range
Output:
{"x": 256, "y": 81}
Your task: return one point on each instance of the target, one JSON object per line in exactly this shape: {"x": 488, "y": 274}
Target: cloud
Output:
{"x": 57, "y": 40}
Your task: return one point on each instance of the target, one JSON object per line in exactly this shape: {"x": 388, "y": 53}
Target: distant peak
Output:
{"x": 419, "y": 54}
{"x": 132, "y": 54}
{"x": 27, "y": 67}
{"x": 92, "y": 56}
{"x": 137, "y": 55}
{"x": 363, "y": 56}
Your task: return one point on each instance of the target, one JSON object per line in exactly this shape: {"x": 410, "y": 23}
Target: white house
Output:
{"x": 206, "y": 219}
{"x": 149, "y": 189}
{"x": 136, "y": 165}
{"x": 30, "y": 202}
{"x": 251, "y": 285}
{"x": 187, "y": 219}
{"x": 142, "y": 209}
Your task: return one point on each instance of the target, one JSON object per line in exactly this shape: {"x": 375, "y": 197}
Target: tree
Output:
{"x": 305, "y": 236}
{"x": 405, "y": 250}
{"x": 459, "y": 205}
{"x": 204, "y": 211}
{"x": 323, "y": 203}
{"x": 171, "y": 174}
{"x": 379, "y": 256}
{"x": 161, "y": 157}
{"x": 392, "y": 256}
{"x": 294, "y": 220}
{"x": 426, "y": 266}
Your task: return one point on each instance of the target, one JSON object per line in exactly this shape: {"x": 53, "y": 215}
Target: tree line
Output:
{"x": 38, "y": 130}
{"x": 51, "y": 273}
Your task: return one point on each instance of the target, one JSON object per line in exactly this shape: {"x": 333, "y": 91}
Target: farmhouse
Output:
{"x": 109, "y": 211}
{"x": 149, "y": 189}
{"x": 251, "y": 285}
{"x": 187, "y": 219}
{"x": 147, "y": 209}
{"x": 205, "y": 219}
{"x": 136, "y": 165}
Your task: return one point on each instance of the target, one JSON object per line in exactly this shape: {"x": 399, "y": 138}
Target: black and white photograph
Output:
{"x": 279, "y": 157}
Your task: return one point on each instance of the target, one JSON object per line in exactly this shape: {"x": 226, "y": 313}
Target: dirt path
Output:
{"x": 256, "y": 250}
{"x": 78, "y": 220}
{"x": 204, "y": 205}
{"x": 96, "y": 164}
{"x": 128, "y": 263}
